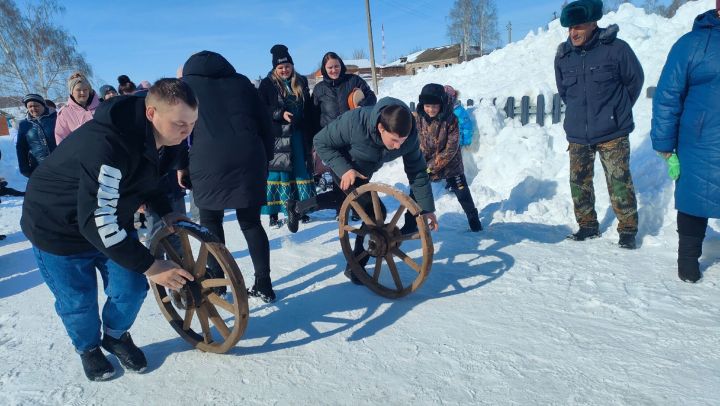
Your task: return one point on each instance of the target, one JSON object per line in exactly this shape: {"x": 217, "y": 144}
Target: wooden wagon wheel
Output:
{"x": 197, "y": 306}
{"x": 394, "y": 273}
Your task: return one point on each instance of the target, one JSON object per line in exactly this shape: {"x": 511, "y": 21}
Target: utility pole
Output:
{"x": 509, "y": 28}
{"x": 384, "y": 54}
{"x": 372, "y": 48}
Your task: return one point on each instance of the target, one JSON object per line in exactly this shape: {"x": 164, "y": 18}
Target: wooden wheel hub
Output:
{"x": 381, "y": 241}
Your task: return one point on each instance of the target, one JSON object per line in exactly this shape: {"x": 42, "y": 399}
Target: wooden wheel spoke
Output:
{"x": 362, "y": 256}
{"x": 358, "y": 231}
{"x": 411, "y": 263}
{"x": 201, "y": 262}
{"x": 408, "y": 237}
{"x": 167, "y": 299}
{"x": 187, "y": 320}
{"x": 188, "y": 262}
{"x": 396, "y": 217}
{"x": 217, "y": 320}
{"x": 394, "y": 272}
{"x": 205, "y": 324}
{"x": 377, "y": 208}
{"x": 378, "y": 268}
{"x": 170, "y": 251}
{"x": 362, "y": 213}
{"x": 220, "y": 302}
{"x": 215, "y": 283}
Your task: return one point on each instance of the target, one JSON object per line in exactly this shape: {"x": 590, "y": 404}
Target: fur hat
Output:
{"x": 76, "y": 79}
{"x": 432, "y": 93}
{"x": 280, "y": 55}
{"x": 33, "y": 97}
{"x": 581, "y": 12}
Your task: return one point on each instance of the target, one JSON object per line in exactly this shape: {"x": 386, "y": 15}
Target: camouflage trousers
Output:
{"x": 615, "y": 158}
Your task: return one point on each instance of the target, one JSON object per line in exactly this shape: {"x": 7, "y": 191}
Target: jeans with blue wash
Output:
{"x": 72, "y": 279}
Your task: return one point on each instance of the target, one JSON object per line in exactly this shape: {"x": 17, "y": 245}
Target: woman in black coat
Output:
{"x": 332, "y": 97}
{"x": 286, "y": 97}
{"x": 229, "y": 154}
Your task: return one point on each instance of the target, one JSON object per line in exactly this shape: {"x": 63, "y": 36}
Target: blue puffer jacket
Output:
{"x": 35, "y": 141}
{"x": 686, "y": 116}
{"x": 599, "y": 82}
{"x": 465, "y": 124}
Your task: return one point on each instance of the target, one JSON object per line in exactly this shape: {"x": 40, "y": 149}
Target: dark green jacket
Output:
{"x": 352, "y": 141}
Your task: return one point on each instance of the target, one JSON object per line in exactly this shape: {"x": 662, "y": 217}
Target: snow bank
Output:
{"x": 525, "y": 169}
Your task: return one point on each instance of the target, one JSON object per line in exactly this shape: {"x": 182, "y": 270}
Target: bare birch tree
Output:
{"x": 473, "y": 23}
{"x": 36, "y": 54}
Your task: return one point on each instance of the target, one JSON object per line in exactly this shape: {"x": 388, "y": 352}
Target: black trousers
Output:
{"x": 252, "y": 229}
{"x": 458, "y": 185}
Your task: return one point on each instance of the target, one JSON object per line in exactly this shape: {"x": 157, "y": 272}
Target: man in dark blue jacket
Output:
{"x": 599, "y": 78}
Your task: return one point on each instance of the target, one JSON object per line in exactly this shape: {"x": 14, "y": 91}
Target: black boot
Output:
{"x": 129, "y": 355}
{"x": 274, "y": 220}
{"x": 263, "y": 289}
{"x": 627, "y": 241}
{"x": 584, "y": 233}
{"x": 474, "y": 220}
{"x": 689, "y": 251}
{"x": 293, "y": 220}
{"x": 96, "y": 365}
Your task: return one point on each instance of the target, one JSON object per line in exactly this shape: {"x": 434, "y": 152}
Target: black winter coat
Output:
{"x": 35, "y": 141}
{"x": 353, "y": 142}
{"x": 282, "y": 131}
{"x": 330, "y": 96}
{"x": 599, "y": 83}
{"x": 84, "y": 195}
{"x": 232, "y": 140}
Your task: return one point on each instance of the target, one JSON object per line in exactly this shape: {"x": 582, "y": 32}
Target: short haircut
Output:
{"x": 171, "y": 91}
{"x": 397, "y": 119}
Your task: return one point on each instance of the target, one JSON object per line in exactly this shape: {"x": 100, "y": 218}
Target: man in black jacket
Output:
{"x": 599, "y": 78}
{"x": 78, "y": 214}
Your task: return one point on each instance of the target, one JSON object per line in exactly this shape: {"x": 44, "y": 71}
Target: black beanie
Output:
{"x": 280, "y": 55}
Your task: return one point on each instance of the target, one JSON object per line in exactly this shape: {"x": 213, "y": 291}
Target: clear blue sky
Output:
{"x": 149, "y": 39}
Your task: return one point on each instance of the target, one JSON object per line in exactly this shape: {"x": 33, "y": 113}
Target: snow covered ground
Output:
{"x": 512, "y": 315}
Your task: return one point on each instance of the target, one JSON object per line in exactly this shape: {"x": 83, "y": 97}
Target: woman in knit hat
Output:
{"x": 36, "y": 134}
{"x": 287, "y": 97}
{"x": 80, "y": 107}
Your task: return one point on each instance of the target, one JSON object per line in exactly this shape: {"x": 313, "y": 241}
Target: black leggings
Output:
{"x": 691, "y": 226}
{"x": 252, "y": 229}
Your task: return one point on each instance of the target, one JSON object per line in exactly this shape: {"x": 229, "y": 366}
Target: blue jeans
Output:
{"x": 73, "y": 281}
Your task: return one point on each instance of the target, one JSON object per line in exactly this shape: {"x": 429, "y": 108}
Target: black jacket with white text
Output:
{"x": 85, "y": 193}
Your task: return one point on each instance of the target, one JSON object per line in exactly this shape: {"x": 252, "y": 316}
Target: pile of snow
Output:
{"x": 506, "y": 155}
{"x": 512, "y": 315}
